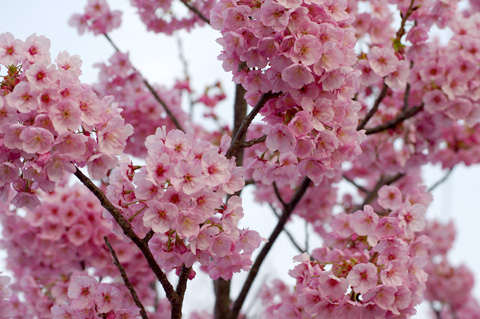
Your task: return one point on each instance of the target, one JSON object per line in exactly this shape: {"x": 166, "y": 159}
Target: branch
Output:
{"x": 237, "y": 141}
{"x": 287, "y": 212}
{"x": 289, "y": 235}
{"x": 254, "y": 141}
{"x": 351, "y": 181}
{"x": 151, "y": 89}
{"x": 374, "y": 192}
{"x": 127, "y": 282}
{"x": 374, "y": 109}
{"x": 196, "y": 11}
{"x": 128, "y": 231}
{"x": 411, "y": 112}
{"x": 442, "y": 180}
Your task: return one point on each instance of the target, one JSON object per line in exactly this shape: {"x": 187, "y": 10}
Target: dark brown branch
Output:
{"x": 277, "y": 193}
{"x": 374, "y": 109}
{"x": 406, "y": 97}
{"x": 151, "y": 89}
{"x": 127, "y": 282}
{"x": 411, "y": 112}
{"x": 237, "y": 141}
{"x": 196, "y": 11}
{"x": 254, "y": 141}
{"x": 221, "y": 286}
{"x": 287, "y": 212}
{"x": 128, "y": 231}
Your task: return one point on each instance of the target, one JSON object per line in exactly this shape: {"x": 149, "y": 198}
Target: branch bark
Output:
{"x": 174, "y": 299}
{"x": 127, "y": 282}
{"x": 287, "y": 212}
{"x": 411, "y": 112}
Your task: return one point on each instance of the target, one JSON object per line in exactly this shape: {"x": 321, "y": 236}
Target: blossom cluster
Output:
{"x": 160, "y": 16}
{"x": 50, "y": 121}
{"x": 449, "y": 288}
{"x": 179, "y": 195}
{"x": 59, "y": 239}
{"x": 304, "y": 52}
{"x": 97, "y": 18}
{"x": 87, "y": 298}
{"x": 371, "y": 265}
{"x": 139, "y": 107}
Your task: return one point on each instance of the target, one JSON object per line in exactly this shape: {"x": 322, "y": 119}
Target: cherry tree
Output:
{"x": 326, "y": 92}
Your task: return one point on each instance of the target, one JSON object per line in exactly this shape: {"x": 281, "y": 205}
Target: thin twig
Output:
{"x": 277, "y": 193}
{"x": 371, "y": 195}
{"x": 254, "y": 141}
{"x": 127, "y": 282}
{"x": 287, "y": 212}
{"x": 411, "y": 112}
{"x": 351, "y": 181}
{"x": 196, "y": 11}
{"x": 151, "y": 89}
{"x": 374, "y": 109}
{"x": 237, "y": 141}
{"x": 289, "y": 235}
{"x": 442, "y": 180}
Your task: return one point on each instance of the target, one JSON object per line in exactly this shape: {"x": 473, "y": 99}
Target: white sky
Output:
{"x": 156, "y": 56}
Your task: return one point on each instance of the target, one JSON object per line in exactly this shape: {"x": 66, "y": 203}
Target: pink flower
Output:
{"x": 188, "y": 177}
{"x": 107, "y": 298}
{"x": 23, "y": 98}
{"x": 11, "y": 49}
{"x": 65, "y": 116}
{"x": 160, "y": 216}
{"x": 390, "y": 197}
{"x": 36, "y": 140}
{"x": 112, "y": 138}
{"x": 274, "y": 15}
{"x": 382, "y": 60}
{"x": 279, "y": 138}
{"x": 363, "y": 277}
{"x": 82, "y": 291}
{"x": 412, "y": 218}
{"x": 307, "y": 50}
{"x": 297, "y": 75}
{"x": 364, "y": 221}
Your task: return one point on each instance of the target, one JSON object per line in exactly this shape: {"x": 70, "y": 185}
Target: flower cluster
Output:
{"x": 139, "y": 107}
{"x": 179, "y": 195}
{"x": 304, "y": 51}
{"x": 87, "y": 298}
{"x": 50, "y": 121}
{"x": 370, "y": 267}
{"x": 97, "y": 18}
{"x": 159, "y": 16}
{"x": 449, "y": 288}
{"x": 58, "y": 239}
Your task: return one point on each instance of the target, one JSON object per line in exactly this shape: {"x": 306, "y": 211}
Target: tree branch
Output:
{"x": 287, "y": 212}
{"x": 371, "y": 195}
{"x": 196, "y": 11}
{"x": 411, "y": 112}
{"x": 127, "y": 282}
{"x": 237, "y": 141}
{"x": 442, "y": 180}
{"x": 151, "y": 89}
{"x": 128, "y": 231}
{"x": 289, "y": 235}
{"x": 351, "y": 181}
{"x": 374, "y": 109}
